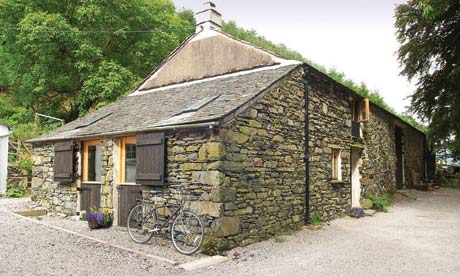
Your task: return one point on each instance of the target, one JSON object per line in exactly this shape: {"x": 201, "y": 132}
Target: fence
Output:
{"x": 18, "y": 151}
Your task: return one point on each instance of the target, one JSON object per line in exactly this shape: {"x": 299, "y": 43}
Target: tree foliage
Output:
{"x": 64, "y": 58}
{"x": 429, "y": 33}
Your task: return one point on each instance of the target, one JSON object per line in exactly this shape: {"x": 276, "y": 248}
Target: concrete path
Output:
{"x": 416, "y": 237}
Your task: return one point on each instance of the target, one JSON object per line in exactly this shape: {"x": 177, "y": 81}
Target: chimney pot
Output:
{"x": 209, "y": 18}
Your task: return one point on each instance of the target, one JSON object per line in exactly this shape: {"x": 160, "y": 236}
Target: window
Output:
{"x": 336, "y": 164}
{"x": 361, "y": 110}
{"x": 92, "y": 165}
{"x": 127, "y": 150}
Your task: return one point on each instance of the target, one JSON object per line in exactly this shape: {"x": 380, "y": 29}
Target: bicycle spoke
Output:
{"x": 140, "y": 221}
{"x": 187, "y": 233}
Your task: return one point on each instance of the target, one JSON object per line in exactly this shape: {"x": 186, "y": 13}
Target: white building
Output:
{"x": 5, "y": 132}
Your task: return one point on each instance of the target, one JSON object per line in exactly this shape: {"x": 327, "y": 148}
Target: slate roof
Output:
{"x": 164, "y": 106}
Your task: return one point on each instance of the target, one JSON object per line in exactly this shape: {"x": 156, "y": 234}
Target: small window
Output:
{"x": 127, "y": 149}
{"x": 92, "y": 166}
{"x": 361, "y": 110}
{"x": 336, "y": 164}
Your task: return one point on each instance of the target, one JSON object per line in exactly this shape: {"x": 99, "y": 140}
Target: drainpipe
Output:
{"x": 307, "y": 148}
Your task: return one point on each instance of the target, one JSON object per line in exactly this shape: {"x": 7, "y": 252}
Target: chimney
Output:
{"x": 209, "y": 18}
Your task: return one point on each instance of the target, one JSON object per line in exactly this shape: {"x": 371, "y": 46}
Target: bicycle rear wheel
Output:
{"x": 187, "y": 233}
{"x": 141, "y": 220}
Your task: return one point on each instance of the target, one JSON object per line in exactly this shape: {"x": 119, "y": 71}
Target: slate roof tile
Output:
{"x": 164, "y": 107}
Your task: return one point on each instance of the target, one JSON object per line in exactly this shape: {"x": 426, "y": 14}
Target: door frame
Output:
{"x": 355, "y": 176}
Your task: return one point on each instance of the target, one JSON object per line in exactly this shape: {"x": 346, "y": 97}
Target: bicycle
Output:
{"x": 185, "y": 227}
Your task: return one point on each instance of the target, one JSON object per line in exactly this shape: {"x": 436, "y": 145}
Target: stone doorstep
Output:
{"x": 369, "y": 212}
{"x": 32, "y": 213}
{"x": 205, "y": 262}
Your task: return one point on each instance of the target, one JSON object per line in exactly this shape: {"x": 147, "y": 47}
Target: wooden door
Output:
{"x": 90, "y": 196}
{"x": 399, "y": 158}
{"x": 127, "y": 198}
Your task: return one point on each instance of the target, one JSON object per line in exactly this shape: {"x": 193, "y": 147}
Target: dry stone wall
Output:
{"x": 414, "y": 152}
{"x": 330, "y": 129}
{"x": 378, "y": 171}
{"x": 264, "y": 168}
{"x": 107, "y": 148}
{"x": 193, "y": 161}
{"x": 58, "y": 198}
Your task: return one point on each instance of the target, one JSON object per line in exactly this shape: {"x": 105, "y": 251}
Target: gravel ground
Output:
{"x": 27, "y": 248}
{"x": 420, "y": 237}
{"x": 160, "y": 247}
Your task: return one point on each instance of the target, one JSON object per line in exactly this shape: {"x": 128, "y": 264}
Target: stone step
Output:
{"x": 205, "y": 262}
{"x": 369, "y": 212}
{"x": 32, "y": 213}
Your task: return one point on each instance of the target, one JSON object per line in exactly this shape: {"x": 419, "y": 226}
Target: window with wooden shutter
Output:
{"x": 150, "y": 159}
{"x": 361, "y": 110}
{"x": 63, "y": 162}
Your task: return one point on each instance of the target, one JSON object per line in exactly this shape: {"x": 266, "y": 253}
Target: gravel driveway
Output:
{"x": 420, "y": 237}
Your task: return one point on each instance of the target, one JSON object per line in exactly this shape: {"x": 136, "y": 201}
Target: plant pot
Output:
{"x": 92, "y": 223}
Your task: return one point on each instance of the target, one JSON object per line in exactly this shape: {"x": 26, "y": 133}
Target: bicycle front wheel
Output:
{"x": 187, "y": 233}
{"x": 141, "y": 221}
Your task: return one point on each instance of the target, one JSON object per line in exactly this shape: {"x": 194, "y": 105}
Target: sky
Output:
{"x": 356, "y": 37}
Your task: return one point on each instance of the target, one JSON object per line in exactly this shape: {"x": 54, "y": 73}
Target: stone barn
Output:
{"x": 266, "y": 142}
{"x": 5, "y": 132}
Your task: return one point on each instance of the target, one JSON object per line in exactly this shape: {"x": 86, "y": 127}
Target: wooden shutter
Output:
{"x": 150, "y": 159}
{"x": 63, "y": 162}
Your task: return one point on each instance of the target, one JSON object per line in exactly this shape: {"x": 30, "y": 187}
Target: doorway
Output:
{"x": 90, "y": 196}
{"x": 127, "y": 199}
{"x": 355, "y": 177}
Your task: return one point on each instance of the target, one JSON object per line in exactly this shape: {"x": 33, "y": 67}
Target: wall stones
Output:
{"x": 56, "y": 197}
{"x": 263, "y": 190}
{"x": 378, "y": 170}
{"x": 330, "y": 114}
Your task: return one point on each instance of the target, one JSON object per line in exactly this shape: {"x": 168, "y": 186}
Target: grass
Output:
{"x": 279, "y": 239}
{"x": 315, "y": 219}
{"x": 452, "y": 183}
{"x": 14, "y": 192}
{"x": 380, "y": 203}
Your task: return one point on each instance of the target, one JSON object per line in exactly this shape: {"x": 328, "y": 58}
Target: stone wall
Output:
{"x": 18, "y": 177}
{"x": 414, "y": 151}
{"x": 378, "y": 171}
{"x": 330, "y": 129}
{"x": 59, "y": 198}
{"x": 107, "y": 151}
{"x": 264, "y": 167}
{"x": 193, "y": 160}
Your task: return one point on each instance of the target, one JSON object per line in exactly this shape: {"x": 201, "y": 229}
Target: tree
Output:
{"x": 429, "y": 33}
{"x": 65, "y": 58}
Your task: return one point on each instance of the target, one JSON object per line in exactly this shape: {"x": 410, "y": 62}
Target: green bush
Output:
{"x": 315, "y": 219}
{"x": 380, "y": 203}
{"x": 25, "y": 165}
{"x": 211, "y": 247}
{"x": 14, "y": 192}
{"x": 452, "y": 183}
